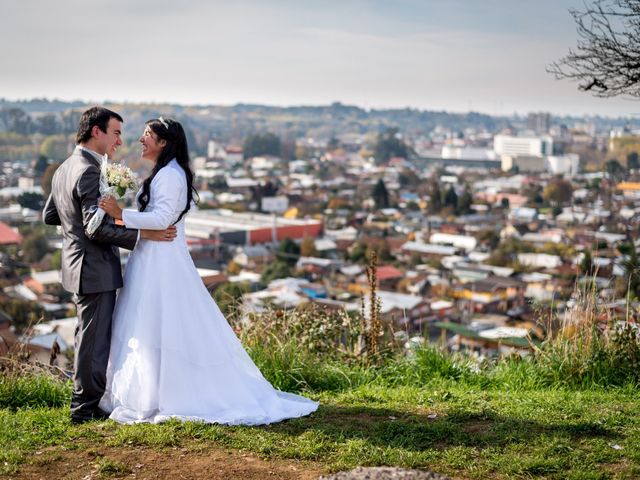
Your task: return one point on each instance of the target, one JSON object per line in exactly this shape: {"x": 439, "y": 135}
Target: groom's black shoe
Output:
{"x": 79, "y": 419}
{"x": 99, "y": 414}
{"x": 96, "y": 414}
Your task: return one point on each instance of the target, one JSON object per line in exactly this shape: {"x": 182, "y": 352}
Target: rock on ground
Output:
{"x": 385, "y": 473}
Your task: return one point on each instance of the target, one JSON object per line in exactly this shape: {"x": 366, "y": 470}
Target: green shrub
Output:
{"x": 31, "y": 390}
{"x": 291, "y": 368}
{"x": 605, "y": 359}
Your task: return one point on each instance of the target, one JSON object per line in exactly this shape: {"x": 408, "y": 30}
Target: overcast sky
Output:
{"x": 456, "y": 55}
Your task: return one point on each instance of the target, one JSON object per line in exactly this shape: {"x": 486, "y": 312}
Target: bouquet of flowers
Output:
{"x": 120, "y": 178}
{"x": 115, "y": 180}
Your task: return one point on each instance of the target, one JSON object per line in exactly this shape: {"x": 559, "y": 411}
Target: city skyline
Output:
{"x": 456, "y": 56}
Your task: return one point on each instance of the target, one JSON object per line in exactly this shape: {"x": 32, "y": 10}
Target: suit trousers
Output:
{"x": 92, "y": 344}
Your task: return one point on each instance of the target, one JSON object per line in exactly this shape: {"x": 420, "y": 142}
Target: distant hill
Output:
{"x": 232, "y": 124}
{"x": 41, "y": 105}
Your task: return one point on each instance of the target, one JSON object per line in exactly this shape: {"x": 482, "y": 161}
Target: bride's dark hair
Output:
{"x": 176, "y": 147}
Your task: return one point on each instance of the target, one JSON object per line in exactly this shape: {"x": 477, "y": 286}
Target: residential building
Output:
{"x": 533, "y": 146}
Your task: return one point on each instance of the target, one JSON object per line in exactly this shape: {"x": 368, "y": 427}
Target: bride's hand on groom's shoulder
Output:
{"x": 159, "y": 235}
{"x": 111, "y": 207}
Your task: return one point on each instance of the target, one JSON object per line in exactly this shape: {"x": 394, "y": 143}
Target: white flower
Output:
{"x": 120, "y": 176}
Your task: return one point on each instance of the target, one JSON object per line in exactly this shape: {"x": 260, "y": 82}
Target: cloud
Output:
{"x": 455, "y": 54}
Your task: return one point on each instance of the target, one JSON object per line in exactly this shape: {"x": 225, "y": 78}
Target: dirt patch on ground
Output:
{"x": 477, "y": 426}
{"x": 171, "y": 463}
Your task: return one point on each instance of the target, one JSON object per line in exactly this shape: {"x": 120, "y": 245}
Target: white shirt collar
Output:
{"x": 88, "y": 150}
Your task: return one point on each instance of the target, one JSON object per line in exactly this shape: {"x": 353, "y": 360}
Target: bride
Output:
{"x": 173, "y": 354}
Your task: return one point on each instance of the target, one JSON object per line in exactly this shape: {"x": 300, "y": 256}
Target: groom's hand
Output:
{"x": 159, "y": 235}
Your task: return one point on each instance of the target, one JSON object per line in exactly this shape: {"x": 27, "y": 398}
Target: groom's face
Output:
{"x": 109, "y": 141}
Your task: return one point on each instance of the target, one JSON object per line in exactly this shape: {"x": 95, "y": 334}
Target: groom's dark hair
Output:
{"x": 94, "y": 117}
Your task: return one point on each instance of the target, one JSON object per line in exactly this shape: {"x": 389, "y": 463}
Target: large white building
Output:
{"x": 524, "y": 163}
{"x": 568, "y": 164}
{"x": 534, "y": 154}
{"x": 528, "y": 146}
{"x": 563, "y": 164}
{"x": 467, "y": 153}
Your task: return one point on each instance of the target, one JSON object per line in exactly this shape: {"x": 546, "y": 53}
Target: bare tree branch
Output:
{"x": 606, "y": 61}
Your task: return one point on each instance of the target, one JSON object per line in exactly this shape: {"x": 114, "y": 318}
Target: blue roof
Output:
{"x": 47, "y": 340}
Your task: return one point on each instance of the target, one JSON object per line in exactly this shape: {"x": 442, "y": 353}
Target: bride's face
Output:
{"x": 151, "y": 145}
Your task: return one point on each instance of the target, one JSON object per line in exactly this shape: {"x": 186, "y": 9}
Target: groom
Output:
{"x": 91, "y": 266}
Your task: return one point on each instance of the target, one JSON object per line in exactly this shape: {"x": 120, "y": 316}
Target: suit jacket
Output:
{"x": 90, "y": 263}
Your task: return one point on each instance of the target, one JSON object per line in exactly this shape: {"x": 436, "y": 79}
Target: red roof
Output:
{"x": 8, "y": 236}
{"x": 387, "y": 272}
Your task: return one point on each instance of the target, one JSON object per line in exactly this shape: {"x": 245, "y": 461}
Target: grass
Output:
{"x": 34, "y": 390}
{"x": 456, "y": 421}
{"x": 570, "y": 410}
{"x": 107, "y": 467}
{"x": 291, "y": 368}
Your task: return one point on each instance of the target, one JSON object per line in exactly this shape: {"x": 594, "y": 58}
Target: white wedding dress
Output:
{"x": 173, "y": 354}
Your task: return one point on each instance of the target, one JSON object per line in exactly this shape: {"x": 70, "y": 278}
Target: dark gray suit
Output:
{"x": 90, "y": 269}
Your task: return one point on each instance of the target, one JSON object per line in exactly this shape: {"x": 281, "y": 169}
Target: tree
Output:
{"x": 632, "y": 161}
{"x": 23, "y": 313}
{"x": 233, "y": 268}
{"x": 17, "y": 121}
{"x": 31, "y": 200}
{"x": 308, "y": 247}
{"x": 605, "y": 61}
{"x": 70, "y": 120}
{"x": 357, "y": 253}
{"x": 558, "y": 191}
{"x": 506, "y": 252}
{"x": 48, "y": 124}
{"x": 614, "y": 170}
{"x": 288, "y": 252}
{"x": 587, "y": 268}
{"x": 47, "y": 176}
{"x": 381, "y": 249}
{"x": 34, "y": 246}
{"x": 288, "y": 149}
{"x": 408, "y": 178}
{"x": 56, "y": 260}
{"x": 534, "y": 195}
{"x": 450, "y": 198}
{"x": 41, "y": 165}
{"x": 435, "y": 198}
{"x": 332, "y": 144}
{"x": 464, "y": 202}
{"x": 625, "y": 248}
{"x": 55, "y": 147}
{"x": 302, "y": 152}
{"x": 489, "y": 238}
{"x": 389, "y": 144}
{"x": 262, "y": 144}
{"x": 380, "y": 195}
{"x": 267, "y": 189}
{"x": 277, "y": 269}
